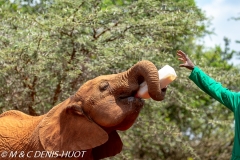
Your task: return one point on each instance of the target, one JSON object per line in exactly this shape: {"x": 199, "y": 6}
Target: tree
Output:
{"x": 46, "y": 56}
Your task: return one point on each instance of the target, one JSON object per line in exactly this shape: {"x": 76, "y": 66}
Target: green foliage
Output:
{"x": 47, "y": 54}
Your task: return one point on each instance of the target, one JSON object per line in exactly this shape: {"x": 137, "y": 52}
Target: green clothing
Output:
{"x": 228, "y": 98}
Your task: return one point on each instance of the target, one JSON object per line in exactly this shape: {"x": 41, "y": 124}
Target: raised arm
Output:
{"x": 208, "y": 85}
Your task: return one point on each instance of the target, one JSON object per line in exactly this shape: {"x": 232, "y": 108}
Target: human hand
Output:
{"x": 186, "y": 61}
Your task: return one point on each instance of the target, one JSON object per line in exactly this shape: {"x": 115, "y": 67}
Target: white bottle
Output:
{"x": 166, "y": 75}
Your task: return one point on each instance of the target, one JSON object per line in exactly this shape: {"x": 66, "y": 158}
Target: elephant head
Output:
{"x": 89, "y": 119}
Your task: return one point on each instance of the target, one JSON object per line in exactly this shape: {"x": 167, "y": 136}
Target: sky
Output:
{"x": 221, "y": 11}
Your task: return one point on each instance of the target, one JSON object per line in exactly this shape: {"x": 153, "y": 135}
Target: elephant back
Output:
{"x": 16, "y": 128}
{"x": 15, "y": 114}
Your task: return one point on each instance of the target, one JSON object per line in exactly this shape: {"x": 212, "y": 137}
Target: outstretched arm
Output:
{"x": 208, "y": 85}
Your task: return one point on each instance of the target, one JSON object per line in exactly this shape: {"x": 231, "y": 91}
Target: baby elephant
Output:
{"x": 84, "y": 125}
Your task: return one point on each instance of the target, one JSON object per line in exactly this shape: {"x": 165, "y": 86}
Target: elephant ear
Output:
{"x": 112, "y": 147}
{"x": 66, "y": 128}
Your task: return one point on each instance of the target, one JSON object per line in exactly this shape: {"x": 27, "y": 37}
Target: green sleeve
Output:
{"x": 215, "y": 89}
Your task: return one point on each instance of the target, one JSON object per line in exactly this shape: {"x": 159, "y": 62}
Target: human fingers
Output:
{"x": 181, "y": 54}
{"x": 182, "y": 65}
{"x": 182, "y": 59}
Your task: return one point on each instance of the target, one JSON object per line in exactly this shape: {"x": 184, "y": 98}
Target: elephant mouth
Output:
{"x": 131, "y": 98}
{"x": 128, "y": 95}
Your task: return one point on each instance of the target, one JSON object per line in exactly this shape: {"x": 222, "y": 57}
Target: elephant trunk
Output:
{"x": 146, "y": 70}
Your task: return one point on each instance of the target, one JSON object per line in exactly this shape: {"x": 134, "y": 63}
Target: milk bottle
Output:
{"x": 166, "y": 75}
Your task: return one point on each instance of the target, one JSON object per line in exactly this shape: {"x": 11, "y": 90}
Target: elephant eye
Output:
{"x": 103, "y": 86}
